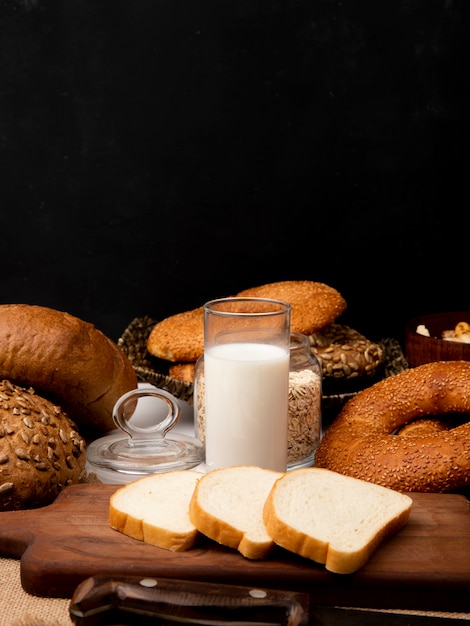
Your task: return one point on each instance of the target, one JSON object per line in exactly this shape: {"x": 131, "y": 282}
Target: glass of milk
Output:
{"x": 246, "y": 382}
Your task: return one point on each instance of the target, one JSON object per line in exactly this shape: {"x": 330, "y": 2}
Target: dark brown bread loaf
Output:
{"x": 41, "y": 451}
{"x": 67, "y": 360}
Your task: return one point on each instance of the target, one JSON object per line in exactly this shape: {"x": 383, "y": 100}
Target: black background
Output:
{"x": 155, "y": 154}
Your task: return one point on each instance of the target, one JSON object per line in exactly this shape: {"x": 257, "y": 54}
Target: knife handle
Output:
{"x": 138, "y": 601}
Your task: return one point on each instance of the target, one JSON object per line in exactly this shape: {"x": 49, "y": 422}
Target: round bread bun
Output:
{"x": 65, "y": 360}
{"x": 313, "y": 305}
{"x": 361, "y": 441}
{"x": 180, "y": 337}
{"x": 41, "y": 451}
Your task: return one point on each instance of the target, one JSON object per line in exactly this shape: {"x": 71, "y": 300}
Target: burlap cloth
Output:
{"x": 19, "y": 608}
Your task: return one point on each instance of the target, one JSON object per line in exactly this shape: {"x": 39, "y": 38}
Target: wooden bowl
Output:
{"x": 420, "y": 349}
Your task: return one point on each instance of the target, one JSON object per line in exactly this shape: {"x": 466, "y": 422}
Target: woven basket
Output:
{"x": 155, "y": 371}
{"x": 148, "y": 368}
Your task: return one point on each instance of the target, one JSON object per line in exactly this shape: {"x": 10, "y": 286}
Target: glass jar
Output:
{"x": 305, "y": 390}
{"x": 199, "y": 406}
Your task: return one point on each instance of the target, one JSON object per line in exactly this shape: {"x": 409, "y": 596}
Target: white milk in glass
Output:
{"x": 246, "y": 404}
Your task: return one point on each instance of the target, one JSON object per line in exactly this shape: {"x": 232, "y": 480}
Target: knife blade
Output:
{"x": 136, "y": 601}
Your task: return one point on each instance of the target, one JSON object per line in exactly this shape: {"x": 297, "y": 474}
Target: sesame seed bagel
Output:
{"x": 361, "y": 441}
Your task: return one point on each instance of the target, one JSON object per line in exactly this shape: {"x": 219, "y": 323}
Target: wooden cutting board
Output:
{"x": 426, "y": 566}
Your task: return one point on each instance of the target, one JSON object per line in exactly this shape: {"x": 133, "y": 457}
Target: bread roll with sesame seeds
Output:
{"x": 361, "y": 442}
{"x": 313, "y": 305}
{"x": 180, "y": 337}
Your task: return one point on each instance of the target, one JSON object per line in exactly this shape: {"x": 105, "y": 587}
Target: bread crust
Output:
{"x": 227, "y": 506}
{"x": 154, "y": 524}
{"x": 67, "y": 360}
{"x": 210, "y": 526}
{"x": 376, "y": 514}
{"x": 361, "y": 441}
{"x": 41, "y": 450}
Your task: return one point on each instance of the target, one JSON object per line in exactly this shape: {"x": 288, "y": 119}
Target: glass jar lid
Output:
{"x": 145, "y": 446}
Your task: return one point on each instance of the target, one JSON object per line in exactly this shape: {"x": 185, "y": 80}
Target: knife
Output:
{"x": 137, "y": 601}
{"x": 101, "y": 600}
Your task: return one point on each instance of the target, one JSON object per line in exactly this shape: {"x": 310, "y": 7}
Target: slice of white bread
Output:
{"x": 227, "y": 506}
{"x": 333, "y": 519}
{"x": 155, "y": 509}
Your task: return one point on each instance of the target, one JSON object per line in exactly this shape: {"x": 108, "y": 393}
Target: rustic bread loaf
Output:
{"x": 227, "y": 506}
{"x": 155, "y": 509}
{"x": 333, "y": 519}
{"x": 41, "y": 450}
{"x": 66, "y": 360}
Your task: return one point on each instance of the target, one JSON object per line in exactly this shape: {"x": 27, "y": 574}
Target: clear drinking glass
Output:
{"x": 246, "y": 382}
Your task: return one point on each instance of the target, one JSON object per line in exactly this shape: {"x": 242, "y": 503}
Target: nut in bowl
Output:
{"x": 438, "y": 337}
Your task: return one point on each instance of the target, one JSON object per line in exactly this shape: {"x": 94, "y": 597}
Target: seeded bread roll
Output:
{"x": 344, "y": 352}
{"x": 41, "y": 450}
{"x": 65, "y": 360}
{"x": 347, "y": 358}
